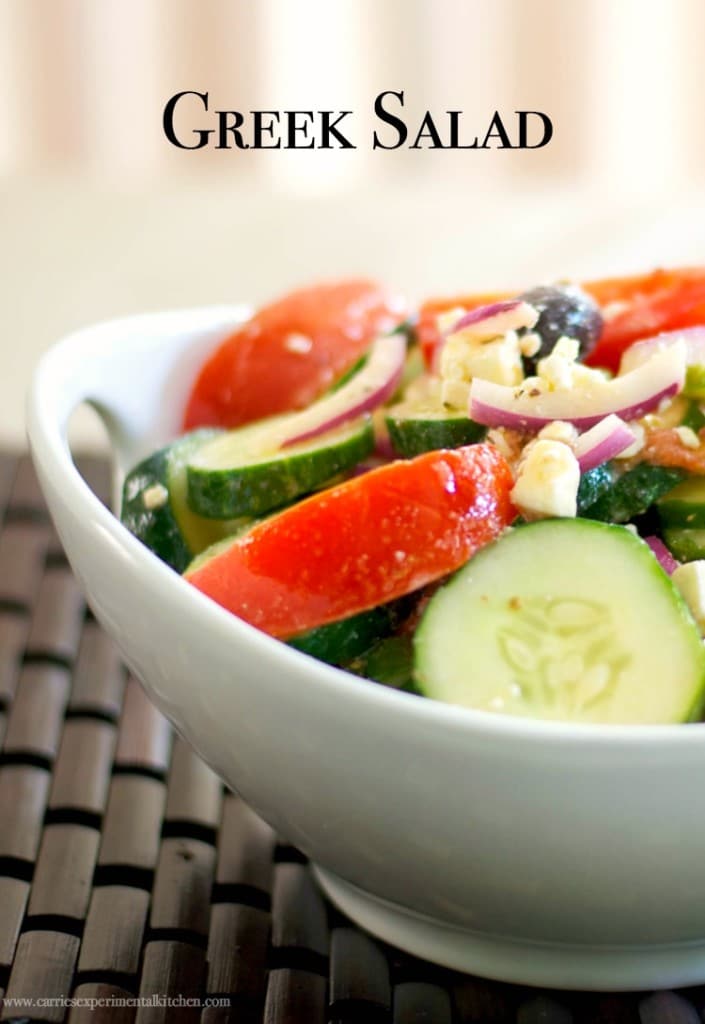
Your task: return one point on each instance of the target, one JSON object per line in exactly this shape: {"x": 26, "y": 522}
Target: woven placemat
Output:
{"x": 135, "y": 887}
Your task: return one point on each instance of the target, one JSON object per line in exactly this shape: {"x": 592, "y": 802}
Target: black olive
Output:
{"x": 564, "y": 311}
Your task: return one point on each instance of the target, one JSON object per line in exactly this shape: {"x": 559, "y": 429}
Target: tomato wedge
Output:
{"x": 664, "y": 300}
{"x": 290, "y": 352}
{"x": 363, "y": 543}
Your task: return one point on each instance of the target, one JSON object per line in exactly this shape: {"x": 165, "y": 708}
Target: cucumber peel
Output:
{"x": 632, "y": 493}
{"x": 340, "y": 642}
{"x": 593, "y": 485}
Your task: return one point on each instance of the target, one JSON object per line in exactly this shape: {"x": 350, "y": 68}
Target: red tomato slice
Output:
{"x": 366, "y": 542}
{"x": 290, "y": 352}
{"x": 663, "y": 300}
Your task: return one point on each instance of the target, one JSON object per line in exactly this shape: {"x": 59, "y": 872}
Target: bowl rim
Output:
{"x": 49, "y": 448}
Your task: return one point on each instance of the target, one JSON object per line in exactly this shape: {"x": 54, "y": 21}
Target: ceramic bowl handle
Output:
{"x": 136, "y": 374}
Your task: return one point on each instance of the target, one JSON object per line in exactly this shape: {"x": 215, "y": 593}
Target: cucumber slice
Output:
{"x": 389, "y": 662}
{"x": 342, "y": 641}
{"x": 564, "y": 619}
{"x": 593, "y": 485}
{"x": 633, "y": 492}
{"x": 422, "y": 423}
{"x": 420, "y": 431}
{"x": 155, "y": 507}
{"x": 685, "y": 545}
{"x": 684, "y": 505}
{"x": 244, "y": 473}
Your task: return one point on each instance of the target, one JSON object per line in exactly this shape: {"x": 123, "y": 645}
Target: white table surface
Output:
{"x": 73, "y": 252}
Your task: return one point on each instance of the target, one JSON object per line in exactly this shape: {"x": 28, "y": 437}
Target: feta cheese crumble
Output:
{"x": 298, "y": 343}
{"x": 547, "y": 481}
{"x": 561, "y": 371}
{"x": 155, "y": 496}
{"x": 559, "y": 430}
{"x": 464, "y": 356}
{"x": 489, "y": 349}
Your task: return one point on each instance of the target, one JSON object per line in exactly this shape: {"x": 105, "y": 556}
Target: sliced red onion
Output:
{"x": 369, "y": 388}
{"x": 497, "y": 318}
{"x": 629, "y": 396}
{"x": 610, "y": 437}
{"x": 640, "y": 351}
{"x": 665, "y": 559}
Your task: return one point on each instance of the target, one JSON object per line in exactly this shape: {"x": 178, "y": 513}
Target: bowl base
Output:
{"x": 596, "y": 968}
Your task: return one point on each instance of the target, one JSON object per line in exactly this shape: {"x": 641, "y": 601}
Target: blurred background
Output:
{"x": 100, "y": 216}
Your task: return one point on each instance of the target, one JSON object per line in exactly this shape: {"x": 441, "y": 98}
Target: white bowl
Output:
{"x": 550, "y": 854}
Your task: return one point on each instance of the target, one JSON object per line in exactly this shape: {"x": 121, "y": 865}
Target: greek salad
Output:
{"x": 496, "y": 501}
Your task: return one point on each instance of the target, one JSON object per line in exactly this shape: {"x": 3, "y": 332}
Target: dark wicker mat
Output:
{"x": 129, "y": 875}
